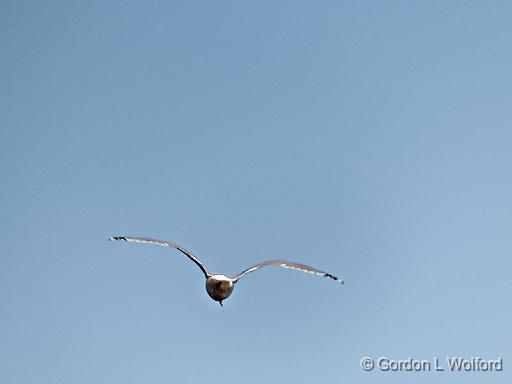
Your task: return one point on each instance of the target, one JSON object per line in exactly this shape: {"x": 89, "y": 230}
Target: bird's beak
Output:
{"x": 220, "y": 302}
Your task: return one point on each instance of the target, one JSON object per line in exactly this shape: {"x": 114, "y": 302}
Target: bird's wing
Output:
{"x": 163, "y": 243}
{"x": 288, "y": 265}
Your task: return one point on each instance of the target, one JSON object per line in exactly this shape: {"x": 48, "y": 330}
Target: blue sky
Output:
{"x": 369, "y": 139}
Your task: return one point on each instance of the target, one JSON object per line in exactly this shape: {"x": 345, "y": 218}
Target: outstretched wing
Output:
{"x": 163, "y": 243}
{"x": 288, "y": 265}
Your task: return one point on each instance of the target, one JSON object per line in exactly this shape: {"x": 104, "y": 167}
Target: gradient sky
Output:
{"x": 370, "y": 139}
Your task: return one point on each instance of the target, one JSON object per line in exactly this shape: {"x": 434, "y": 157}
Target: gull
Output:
{"x": 219, "y": 286}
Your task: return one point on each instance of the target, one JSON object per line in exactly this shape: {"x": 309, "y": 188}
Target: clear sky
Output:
{"x": 370, "y": 139}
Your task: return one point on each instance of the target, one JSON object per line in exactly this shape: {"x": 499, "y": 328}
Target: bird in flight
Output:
{"x": 218, "y": 286}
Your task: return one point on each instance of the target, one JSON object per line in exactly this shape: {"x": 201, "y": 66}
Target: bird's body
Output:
{"x": 219, "y": 286}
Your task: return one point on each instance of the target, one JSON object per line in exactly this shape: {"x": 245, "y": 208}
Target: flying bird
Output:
{"x": 219, "y": 286}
